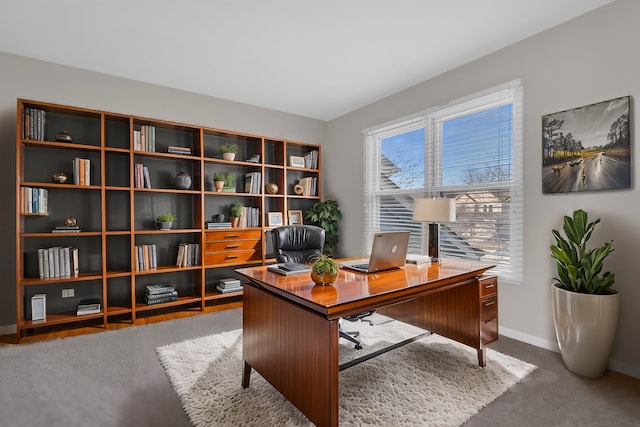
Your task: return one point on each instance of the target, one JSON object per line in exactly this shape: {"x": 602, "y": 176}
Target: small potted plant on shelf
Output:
{"x": 236, "y": 212}
{"x": 218, "y": 180}
{"x": 165, "y": 221}
{"x": 230, "y": 182}
{"x": 229, "y": 151}
{"x": 324, "y": 270}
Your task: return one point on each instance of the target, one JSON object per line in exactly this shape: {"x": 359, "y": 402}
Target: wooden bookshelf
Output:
{"x": 115, "y": 213}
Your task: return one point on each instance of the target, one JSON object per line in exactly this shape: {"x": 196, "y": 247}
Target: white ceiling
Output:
{"x": 319, "y": 59}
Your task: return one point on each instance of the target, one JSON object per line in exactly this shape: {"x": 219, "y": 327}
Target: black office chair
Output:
{"x": 299, "y": 244}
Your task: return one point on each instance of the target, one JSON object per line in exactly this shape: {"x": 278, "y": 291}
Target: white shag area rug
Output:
{"x": 430, "y": 382}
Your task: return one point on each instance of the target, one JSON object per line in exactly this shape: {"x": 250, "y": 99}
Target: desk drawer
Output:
{"x": 230, "y": 257}
{"x": 489, "y": 308}
{"x": 231, "y": 245}
{"x": 488, "y": 330}
{"x": 488, "y": 286}
{"x": 231, "y": 234}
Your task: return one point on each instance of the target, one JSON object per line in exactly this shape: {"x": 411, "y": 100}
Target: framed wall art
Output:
{"x": 295, "y": 217}
{"x": 274, "y": 219}
{"x": 587, "y": 148}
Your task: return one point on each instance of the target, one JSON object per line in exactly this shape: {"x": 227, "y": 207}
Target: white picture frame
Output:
{"x": 274, "y": 219}
{"x": 296, "y": 161}
{"x": 39, "y": 307}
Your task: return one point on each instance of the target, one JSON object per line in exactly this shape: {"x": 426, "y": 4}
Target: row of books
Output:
{"x": 174, "y": 149}
{"x": 81, "y": 171}
{"x": 229, "y": 285}
{"x": 66, "y": 229}
{"x": 58, "y": 262}
{"x": 250, "y": 217}
{"x": 34, "y": 124}
{"x": 311, "y": 159}
{"x": 34, "y": 200}
{"x": 145, "y": 138}
{"x": 188, "y": 254}
{"x": 160, "y": 293}
{"x": 141, "y": 176}
{"x": 252, "y": 182}
{"x": 146, "y": 257}
{"x": 309, "y": 185}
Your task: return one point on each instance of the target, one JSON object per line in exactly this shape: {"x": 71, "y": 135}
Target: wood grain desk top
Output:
{"x": 357, "y": 292}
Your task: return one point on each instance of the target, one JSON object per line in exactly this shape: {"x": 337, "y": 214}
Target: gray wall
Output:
{"x": 42, "y": 81}
{"x": 590, "y": 59}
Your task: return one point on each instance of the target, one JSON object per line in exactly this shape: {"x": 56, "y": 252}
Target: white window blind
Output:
{"x": 470, "y": 150}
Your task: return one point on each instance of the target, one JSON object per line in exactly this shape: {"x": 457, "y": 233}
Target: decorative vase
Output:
{"x": 164, "y": 225}
{"x": 324, "y": 278}
{"x": 229, "y": 156}
{"x": 219, "y": 185}
{"x": 272, "y": 188}
{"x": 182, "y": 181}
{"x": 219, "y": 217}
{"x": 70, "y": 221}
{"x": 585, "y": 327}
{"x": 64, "y": 136}
{"x": 59, "y": 178}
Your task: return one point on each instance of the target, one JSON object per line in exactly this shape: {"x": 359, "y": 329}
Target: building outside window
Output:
{"x": 470, "y": 150}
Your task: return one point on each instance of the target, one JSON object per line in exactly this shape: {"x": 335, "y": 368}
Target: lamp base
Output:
{"x": 434, "y": 242}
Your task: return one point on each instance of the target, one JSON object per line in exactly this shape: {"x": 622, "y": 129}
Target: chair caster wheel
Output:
{"x": 358, "y": 347}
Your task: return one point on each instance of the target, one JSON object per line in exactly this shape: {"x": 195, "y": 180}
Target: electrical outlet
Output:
{"x": 68, "y": 293}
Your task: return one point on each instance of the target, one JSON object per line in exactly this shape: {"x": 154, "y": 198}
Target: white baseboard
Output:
{"x": 614, "y": 365}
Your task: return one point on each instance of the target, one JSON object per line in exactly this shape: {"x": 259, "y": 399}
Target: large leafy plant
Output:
{"x": 326, "y": 215}
{"x": 579, "y": 269}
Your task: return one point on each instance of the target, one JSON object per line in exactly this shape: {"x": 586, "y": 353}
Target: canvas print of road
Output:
{"x": 587, "y": 148}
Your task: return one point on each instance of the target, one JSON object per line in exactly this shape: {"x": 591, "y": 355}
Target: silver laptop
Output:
{"x": 389, "y": 250}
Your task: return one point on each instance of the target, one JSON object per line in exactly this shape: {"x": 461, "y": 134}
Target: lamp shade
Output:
{"x": 434, "y": 210}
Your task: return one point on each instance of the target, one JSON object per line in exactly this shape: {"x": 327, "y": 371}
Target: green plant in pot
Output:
{"x": 165, "y": 221}
{"x": 236, "y": 212}
{"x": 219, "y": 180}
{"x": 324, "y": 270}
{"x": 585, "y": 308}
{"x": 326, "y": 215}
{"x": 229, "y": 151}
{"x": 230, "y": 181}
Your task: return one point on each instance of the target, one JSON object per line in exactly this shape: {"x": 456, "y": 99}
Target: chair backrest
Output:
{"x": 297, "y": 243}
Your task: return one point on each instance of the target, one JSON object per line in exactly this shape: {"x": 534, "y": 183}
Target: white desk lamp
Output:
{"x": 434, "y": 211}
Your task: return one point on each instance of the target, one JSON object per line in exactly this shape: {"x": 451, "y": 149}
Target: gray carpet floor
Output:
{"x": 114, "y": 378}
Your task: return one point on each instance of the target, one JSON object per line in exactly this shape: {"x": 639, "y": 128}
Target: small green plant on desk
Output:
{"x": 324, "y": 270}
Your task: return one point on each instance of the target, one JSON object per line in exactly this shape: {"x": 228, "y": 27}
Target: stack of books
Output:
{"x": 174, "y": 149}
{"x": 211, "y": 225}
{"x": 254, "y": 159}
{"x": 160, "y": 293}
{"x": 66, "y": 229}
{"x": 89, "y": 306}
{"x": 229, "y": 285}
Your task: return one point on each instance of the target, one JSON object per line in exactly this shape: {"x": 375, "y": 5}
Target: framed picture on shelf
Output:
{"x": 295, "y": 217}
{"x": 296, "y": 161}
{"x": 274, "y": 219}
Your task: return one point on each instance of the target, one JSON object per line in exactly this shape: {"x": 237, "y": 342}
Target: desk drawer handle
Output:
{"x": 231, "y": 236}
{"x": 231, "y": 256}
{"x": 232, "y": 246}
{"x": 489, "y": 286}
{"x": 487, "y": 304}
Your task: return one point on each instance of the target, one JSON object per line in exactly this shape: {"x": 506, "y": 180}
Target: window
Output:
{"x": 470, "y": 150}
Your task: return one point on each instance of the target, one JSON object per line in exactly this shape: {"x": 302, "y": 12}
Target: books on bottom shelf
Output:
{"x": 58, "y": 262}
{"x": 229, "y": 285}
{"x": 89, "y": 306}
{"x": 160, "y": 293}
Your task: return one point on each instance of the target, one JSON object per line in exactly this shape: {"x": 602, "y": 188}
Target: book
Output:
{"x": 161, "y": 288}
{"x": 159, "y": 299}
{"x": 289, "y": 268}
{"x": 230, "y": 283}
{"x": 418, "y": 259}
{"x": 228, "y": 290}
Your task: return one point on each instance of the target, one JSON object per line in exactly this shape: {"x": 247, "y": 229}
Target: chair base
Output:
{"x": 351, "y": 336}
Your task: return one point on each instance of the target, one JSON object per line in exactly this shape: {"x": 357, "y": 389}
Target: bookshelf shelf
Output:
{"x": 117, "y": 217}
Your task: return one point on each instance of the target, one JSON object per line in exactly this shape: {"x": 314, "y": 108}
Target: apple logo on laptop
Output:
{"x": 394, "y": 249}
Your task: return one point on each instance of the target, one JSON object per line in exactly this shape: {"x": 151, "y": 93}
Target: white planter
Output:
{"x": 229, "y": 156}
{"x": 585, "y": 328}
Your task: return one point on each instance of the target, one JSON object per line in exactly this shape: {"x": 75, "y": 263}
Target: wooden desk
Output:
{"x": 290, "y": 326}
